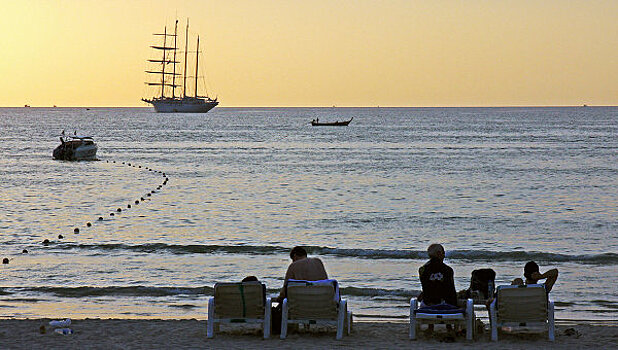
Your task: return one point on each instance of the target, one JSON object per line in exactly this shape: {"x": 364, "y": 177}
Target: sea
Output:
{"x": 179, "y": 202}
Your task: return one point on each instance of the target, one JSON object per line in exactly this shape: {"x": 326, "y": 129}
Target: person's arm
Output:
{"x": 323, "y": 268}
{"x": 552, "y": 276}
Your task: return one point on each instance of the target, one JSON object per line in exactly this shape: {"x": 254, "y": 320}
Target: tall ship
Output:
{"x": 168, "y": 77}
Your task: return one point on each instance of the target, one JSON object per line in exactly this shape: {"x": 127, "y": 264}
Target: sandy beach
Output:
{"x": 191, "y": 334}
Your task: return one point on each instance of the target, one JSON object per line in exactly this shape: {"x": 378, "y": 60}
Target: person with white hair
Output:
{"x": 437, "y": 279}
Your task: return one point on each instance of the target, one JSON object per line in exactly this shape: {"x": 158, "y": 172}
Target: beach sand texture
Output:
{"x": 191, "y": 334}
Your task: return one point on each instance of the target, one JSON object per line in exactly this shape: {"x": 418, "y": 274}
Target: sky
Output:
{"x": 317, "y": 53}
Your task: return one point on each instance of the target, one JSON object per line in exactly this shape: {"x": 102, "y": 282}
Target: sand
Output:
{"x": 191, "y": 334}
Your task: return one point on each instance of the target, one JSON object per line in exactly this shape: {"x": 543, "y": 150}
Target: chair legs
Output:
{"x": 413, "y": 306}
{"x": 267, "y": 317}
{"x": 551, "y": 330}
{"x": 469, "y": 319}
{"x": 210, "y": 326}
{"x": 343, "y": 312}
{"x": 284, "y": 319}
{"x": 493, "y": 321}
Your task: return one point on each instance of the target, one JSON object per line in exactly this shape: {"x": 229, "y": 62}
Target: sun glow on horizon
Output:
{"x": 320, "y": 53}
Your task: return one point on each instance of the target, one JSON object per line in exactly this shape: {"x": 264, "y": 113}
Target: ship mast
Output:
{"x": 174, "y": 69}
{"x": 197, "y": 58}
{"x": 163, "y": 63}
{"x": 184, "y": 73}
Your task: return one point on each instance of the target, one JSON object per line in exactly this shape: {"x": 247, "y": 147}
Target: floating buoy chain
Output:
{"x": 118, "y": 210}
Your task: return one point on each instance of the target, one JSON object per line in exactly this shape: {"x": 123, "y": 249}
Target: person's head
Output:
{"x": 435, "y": 251}
{"x": 530, "y": 268}
{"x": 517, "y": 282}
{"x": 298, "y": 253}
{"x": 250, "y": 279}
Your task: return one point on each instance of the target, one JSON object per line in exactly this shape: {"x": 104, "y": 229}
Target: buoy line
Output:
{"x": 76, "y": 230}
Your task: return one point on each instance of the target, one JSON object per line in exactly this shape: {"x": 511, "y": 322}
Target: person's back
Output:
{"x": 303, "y": 268}
{"x": 308, "y": 269}
{"x": 437, "y": 279}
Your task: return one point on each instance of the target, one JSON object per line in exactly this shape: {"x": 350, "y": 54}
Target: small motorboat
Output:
{"x": 76, "y": 148}
{"x": 316, "y": 122}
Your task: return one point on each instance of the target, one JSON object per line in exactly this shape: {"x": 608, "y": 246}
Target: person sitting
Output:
{"x": 533, "y": 275}
{"x": 302, "y": 268}
{"x": 437, "y": 279}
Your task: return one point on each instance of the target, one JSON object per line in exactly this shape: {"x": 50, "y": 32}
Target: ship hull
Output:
{"x": 182, "y": 105}
{"x": 69, "y": 151}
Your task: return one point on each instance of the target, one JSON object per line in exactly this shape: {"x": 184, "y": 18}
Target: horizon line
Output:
{"x": 343, "y": 106}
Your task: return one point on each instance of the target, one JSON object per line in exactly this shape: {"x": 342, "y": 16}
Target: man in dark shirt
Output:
{"x": 437, "y": 279}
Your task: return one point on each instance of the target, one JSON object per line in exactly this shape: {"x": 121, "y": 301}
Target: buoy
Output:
{"x": 76, "y": 230}
{"x": 5, "y": 260}
{"x": 46, "y": 242}
{"x": 122, "y": 162}
{"x": 148, "y": 194}
{"x": 119, "y": 210}
{"x": 100, "y": 218}
{"x": 129, "y": 164}
{"x": 88, "y": 224}
{"x": 140, "y": 166}
{"x": 136, "y": 202}
{"x": 25, "y": 251}
{"x": 60, "y": 236}
{"x": 128, "y": 205}
{"x": 111, "y": 214}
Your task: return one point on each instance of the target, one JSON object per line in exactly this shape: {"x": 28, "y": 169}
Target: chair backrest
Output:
{"x": 312, "y": 299}
{"x": 526, "y": 303}
{"x": 240, "y": 300}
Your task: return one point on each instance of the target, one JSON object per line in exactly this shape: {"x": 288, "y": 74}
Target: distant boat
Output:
{"x": 316, "y": 122}
{"x": 76, "y": 147}
{"x": 26, "y": 106}
{"x": 169, "y": 101}
{"x": 585, "y": 105}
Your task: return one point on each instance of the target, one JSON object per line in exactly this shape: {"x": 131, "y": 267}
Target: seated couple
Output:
{"x": 437, "y": 278}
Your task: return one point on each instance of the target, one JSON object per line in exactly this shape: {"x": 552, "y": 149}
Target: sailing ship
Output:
{"x": 169, "y": 101}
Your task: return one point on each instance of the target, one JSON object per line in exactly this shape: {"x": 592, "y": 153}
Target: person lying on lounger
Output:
{"x": 533, "y": 275}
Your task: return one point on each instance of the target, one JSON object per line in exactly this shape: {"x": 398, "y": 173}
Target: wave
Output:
{"x": 145, "y": 291}
{"x": 472, "y": 255}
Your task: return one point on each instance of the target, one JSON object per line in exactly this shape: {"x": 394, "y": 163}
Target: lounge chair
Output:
{"x": 441, "y": 314}
{"x": 314, "y": 302}
{"x": 243, "y": 302}
{"x": 524, "y": 308}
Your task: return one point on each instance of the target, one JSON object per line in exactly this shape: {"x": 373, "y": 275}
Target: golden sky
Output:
{"x": 318, "y": 52}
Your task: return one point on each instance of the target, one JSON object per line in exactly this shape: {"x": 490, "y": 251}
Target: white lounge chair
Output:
{"x": 457, "y": 317}
{"x": 314, "y": 302}
{"x": 243, "y": 302}
{"x": 525, "y": 308}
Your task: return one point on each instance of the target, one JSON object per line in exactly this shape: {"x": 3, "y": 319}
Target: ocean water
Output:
{"x": 496, "y": 186}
